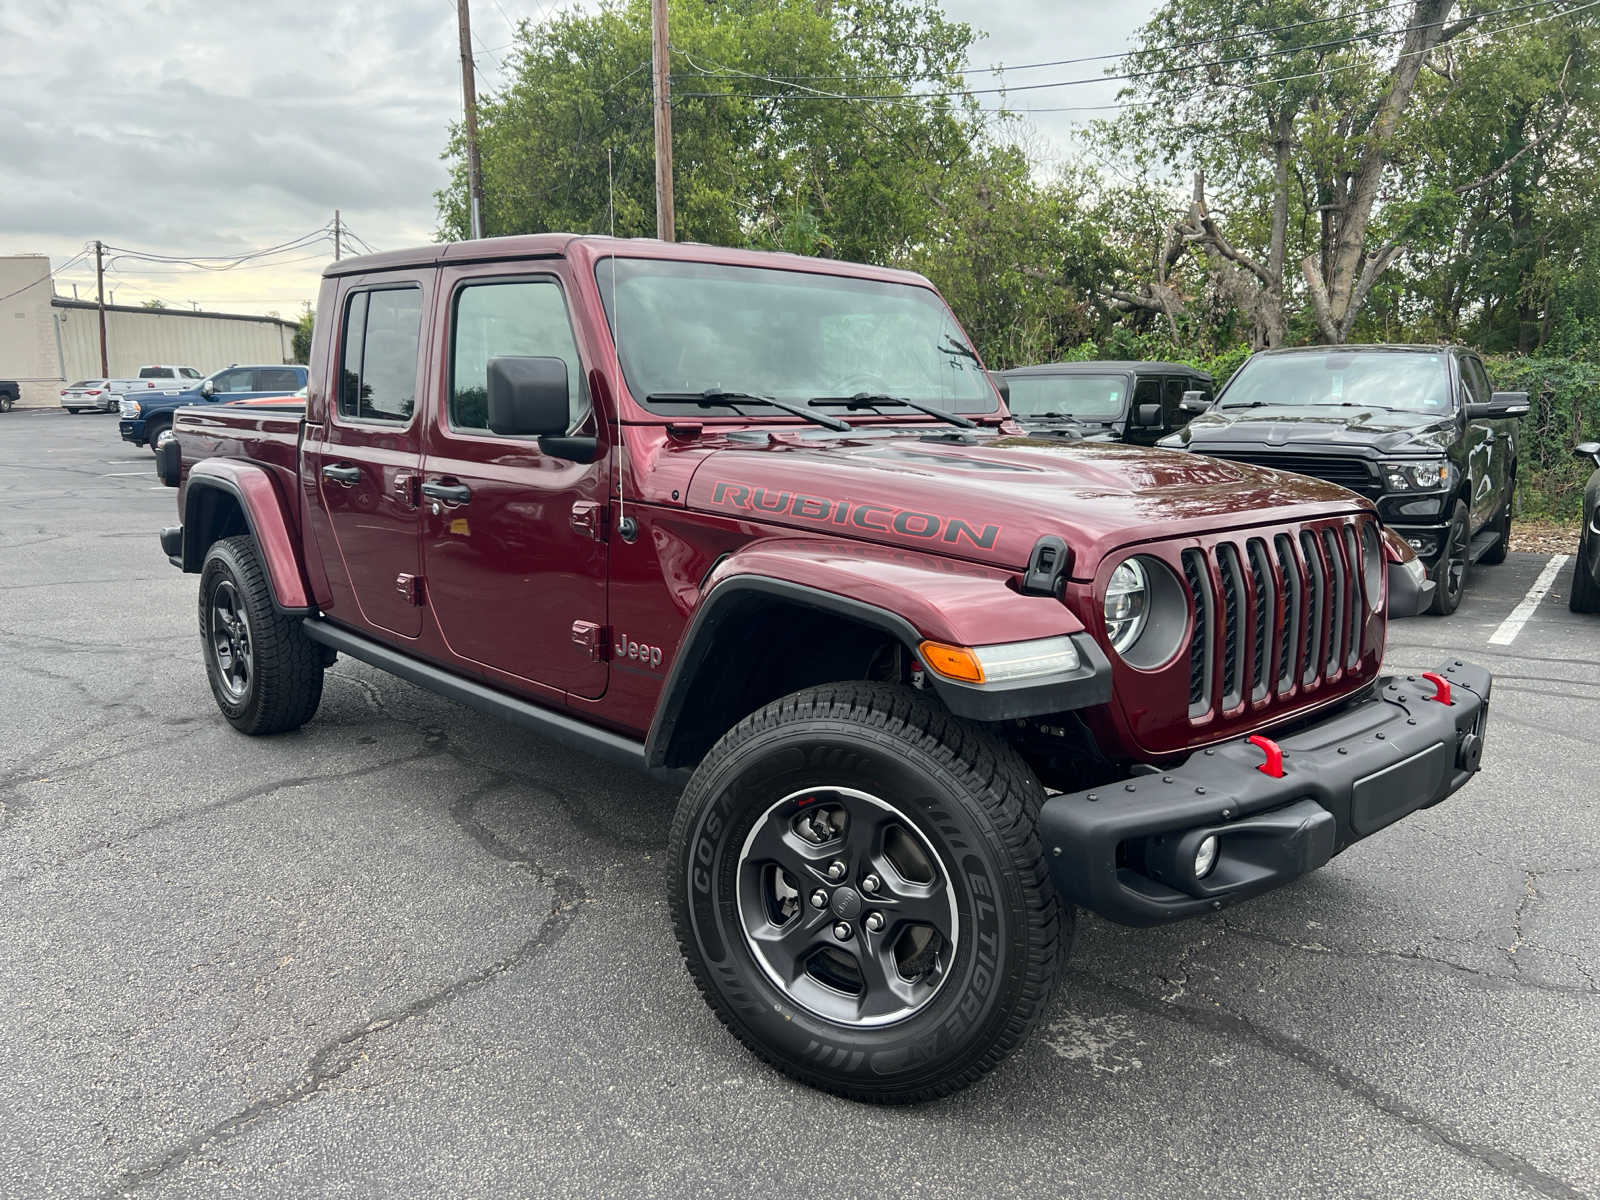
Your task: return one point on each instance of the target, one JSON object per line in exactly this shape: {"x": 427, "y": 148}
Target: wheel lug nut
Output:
{"x": 842, "y": 931}
{"x": 836, "y": 869}
{"x": 819, "y": 899}
{"x": 869, "y": 884}
{"x": 873, "y": 921}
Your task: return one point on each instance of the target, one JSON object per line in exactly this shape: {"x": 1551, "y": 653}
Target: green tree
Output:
{"x": 300, "y": 344}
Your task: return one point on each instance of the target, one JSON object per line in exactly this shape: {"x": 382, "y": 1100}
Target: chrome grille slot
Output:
{"x": 1289, "y": 634}
{"x": 1232, "y": 633}
{"x": 1200, "y": 673}
{"x": 1357, "y": 609}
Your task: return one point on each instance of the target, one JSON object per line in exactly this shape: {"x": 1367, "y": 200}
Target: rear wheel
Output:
{"x": 1585, "y": 597}
{"x": 74, "y": 411}
{"x": 6, "y": 401}
{"x": 860, "y": 895}
{"x": 1450, "y": 575}
{"x": 265, "y": 673}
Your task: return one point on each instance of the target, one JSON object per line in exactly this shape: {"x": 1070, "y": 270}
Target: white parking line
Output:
{"x": 122, "y": 474}
{"x": 1512, "y": 625}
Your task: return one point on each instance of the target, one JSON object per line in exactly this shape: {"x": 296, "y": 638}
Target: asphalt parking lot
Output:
{"x": 410, "y": 951}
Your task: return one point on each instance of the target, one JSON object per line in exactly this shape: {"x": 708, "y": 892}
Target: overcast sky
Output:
{"x": 217, "y": 127}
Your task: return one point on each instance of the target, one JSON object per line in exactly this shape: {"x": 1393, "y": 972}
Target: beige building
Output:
{"x": 47, "y": 342}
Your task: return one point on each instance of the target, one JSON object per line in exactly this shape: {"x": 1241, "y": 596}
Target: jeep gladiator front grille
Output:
{"x": 1274, "y": 615}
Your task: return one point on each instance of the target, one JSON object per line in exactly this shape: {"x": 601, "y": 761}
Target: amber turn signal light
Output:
{"x": 953, "y": 662}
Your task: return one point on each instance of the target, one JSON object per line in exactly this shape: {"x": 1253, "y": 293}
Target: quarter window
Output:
{"x": 493, "y": 320}
{"x": 378, "y": 374}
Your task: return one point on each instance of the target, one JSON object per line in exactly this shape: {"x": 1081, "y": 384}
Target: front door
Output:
{"x": 513, "y": 540}
{"x": 1488, "y": 451}
{"x": 367, "y": 461}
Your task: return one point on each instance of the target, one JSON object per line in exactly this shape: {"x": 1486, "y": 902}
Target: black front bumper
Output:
{"x": 1126, "y": 850}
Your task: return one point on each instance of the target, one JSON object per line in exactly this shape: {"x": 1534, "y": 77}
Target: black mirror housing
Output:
{"x": 1588, "y": 450}
{"x": 527, "y": 396}
{"x": 1499, "y": 405}
{"x": 1147, "y": 416}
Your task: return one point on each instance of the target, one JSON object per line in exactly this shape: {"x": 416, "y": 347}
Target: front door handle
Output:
{"x": 450, "y": 493}
{"x": 344, "y": 475}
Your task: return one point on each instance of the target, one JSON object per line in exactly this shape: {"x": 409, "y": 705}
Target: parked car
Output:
{"x": 93, "y": 394}
{"x": 1415, "y": 429}
{"x": 1585, "y": 597}
{"x": 10, "y": 393}
{"x": 938, "y": 685}
{"x": 1103, "y": 401}
{"x": 145, "y": 415}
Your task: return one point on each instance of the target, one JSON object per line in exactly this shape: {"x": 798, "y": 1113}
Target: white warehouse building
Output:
{"x": 47, "y": 342}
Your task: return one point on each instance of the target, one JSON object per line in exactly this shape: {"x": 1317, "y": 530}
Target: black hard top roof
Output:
{"x": 1111, "y": 366}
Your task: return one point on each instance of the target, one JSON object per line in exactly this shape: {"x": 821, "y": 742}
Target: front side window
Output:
{"x": 1403, "y": 380}
{"x": 190, "y": 373}
{"x": 492, "y": 320}
{"x": 687, "y": 328}
{"x": 378, "y": 370}
{"x": 1100, "y": 397}
{"x": 235, "y": 379}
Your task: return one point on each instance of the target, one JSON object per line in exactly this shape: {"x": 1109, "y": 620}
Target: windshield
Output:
{"x": 688, "y": 327}
{"x": 1413, "y": 381}
{"x": 1099, "y": 397}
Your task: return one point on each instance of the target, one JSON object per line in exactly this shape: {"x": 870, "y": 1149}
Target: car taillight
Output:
{"x": 94, "y": 391}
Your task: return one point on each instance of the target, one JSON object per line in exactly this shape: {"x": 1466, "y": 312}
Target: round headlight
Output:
{"x": 1127, "y": 604}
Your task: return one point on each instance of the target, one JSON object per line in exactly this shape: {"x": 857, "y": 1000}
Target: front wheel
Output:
{"x": 860, "y": 895}
{"x": 1451, "y": 573}
{"x": 1585, "y": 597}
{"x": 152, "y": 434}
{"x": 265, "y": 673}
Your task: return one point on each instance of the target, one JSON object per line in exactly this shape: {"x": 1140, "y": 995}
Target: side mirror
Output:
{"x": 1588, "y": 450}
{"x": 527, "y": 397}
{"x": 207, "y": 387}
{"x": 1501, "y": 404}
{"x": 1147, "y": 416}
{"x": 1195, "y": 402}
{"x": 1002, "y": 386}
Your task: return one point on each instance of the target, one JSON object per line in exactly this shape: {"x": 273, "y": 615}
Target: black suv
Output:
{"x": 1417, "y": 429}
{"x": 1105, "y": 401}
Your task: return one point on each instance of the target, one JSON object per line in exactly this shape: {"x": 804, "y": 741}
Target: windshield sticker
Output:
{"x": 875, "y": 518}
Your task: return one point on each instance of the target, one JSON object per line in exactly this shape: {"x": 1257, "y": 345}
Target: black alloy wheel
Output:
{"x": 1451, "y": 572}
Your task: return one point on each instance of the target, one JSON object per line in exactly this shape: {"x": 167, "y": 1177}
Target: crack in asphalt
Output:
{"x": 1229, "y": 1025}
{"x": 336, "y": 1057}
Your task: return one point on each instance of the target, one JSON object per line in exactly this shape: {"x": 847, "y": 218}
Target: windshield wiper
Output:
{"x": 1249, "y": 404}
{"x": 718, "y": 398}
{"x": 876, "y": 400}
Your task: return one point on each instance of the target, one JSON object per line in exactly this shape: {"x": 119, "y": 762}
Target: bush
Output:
{"x": 1564, "y": 399}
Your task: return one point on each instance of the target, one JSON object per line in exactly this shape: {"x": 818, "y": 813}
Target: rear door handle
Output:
{"x": 345, "y": 475}
{"x": 451, "y": 493}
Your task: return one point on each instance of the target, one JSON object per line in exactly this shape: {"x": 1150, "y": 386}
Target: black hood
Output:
{"x": 1373, "y": 431}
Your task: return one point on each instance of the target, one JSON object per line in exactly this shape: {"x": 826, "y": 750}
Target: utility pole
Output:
{"x": 661, "y": 64}
{"x": 336, "y": 235}
{"x": 100, "y": 289}
{"x": 469, "y": 99}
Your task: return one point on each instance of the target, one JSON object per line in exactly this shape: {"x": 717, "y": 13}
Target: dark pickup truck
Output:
{"x": 1415, "y": 429}
{"x": 10, "y": 393}
{"x": 1120, "y": 401}
{"x": 766, "y": 519}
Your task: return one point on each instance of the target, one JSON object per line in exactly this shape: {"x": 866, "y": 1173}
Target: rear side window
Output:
{"x": 155, "y": 372}
{"x": 1172, "y": 396}
{"x": 277, "y": 379}
{"x": 378, "y": 373}
{"x": 527, "y": 318}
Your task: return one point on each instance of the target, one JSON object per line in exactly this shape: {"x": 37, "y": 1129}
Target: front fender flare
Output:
{"x": 909, "y": 597}
{"x": 265, "y": 516}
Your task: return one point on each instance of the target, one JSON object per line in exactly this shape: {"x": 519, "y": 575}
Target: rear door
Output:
{"x": 366, "y": 465}
{"x": 516, "y": 566}
{"x": 1486, "y": 453}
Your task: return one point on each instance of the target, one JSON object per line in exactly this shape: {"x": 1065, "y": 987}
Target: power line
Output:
{"x": 807, "y": 93}
{"x": 219, "y": 262}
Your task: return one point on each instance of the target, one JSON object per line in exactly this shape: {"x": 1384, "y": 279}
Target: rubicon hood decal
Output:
{"x": 843, "y": 513}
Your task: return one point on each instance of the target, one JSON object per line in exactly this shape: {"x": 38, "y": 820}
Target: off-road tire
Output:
{"x": 284, "y": 684}
{"x": 1446, "y": 599}
{"x": 1585, "y": 595}
{"x": 1496, "y": 554}
{"x": 975, "y": 802}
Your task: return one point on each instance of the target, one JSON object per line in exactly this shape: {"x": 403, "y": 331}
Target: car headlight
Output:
{"x": 131, "y": 408}
{"x": 1422, "y": 475}
{"x": 1127, "y": 604}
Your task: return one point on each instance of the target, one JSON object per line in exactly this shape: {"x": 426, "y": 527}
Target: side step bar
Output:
{"x": 558, "y": 727}
{"x": 1482, "y": 544}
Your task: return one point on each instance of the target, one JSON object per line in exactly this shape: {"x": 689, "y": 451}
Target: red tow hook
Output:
{"x": 1274, "y": 764}
{"x": 1441, "y": 687}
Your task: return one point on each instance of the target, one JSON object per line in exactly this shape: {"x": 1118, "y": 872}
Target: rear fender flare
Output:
{"x": 251, "y": 489}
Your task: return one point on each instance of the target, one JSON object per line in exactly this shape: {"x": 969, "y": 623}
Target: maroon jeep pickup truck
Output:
{"x": 766, "y": 519}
